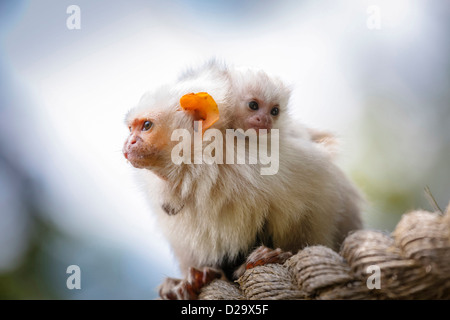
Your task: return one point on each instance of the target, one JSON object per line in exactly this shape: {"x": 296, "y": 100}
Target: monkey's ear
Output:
{"x": 202, "y": 107}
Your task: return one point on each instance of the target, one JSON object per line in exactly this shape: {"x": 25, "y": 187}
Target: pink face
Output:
{"x": 260, "y": 115}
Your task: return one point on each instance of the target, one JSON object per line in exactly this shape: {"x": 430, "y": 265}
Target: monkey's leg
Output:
{"x": 188, "y": 289}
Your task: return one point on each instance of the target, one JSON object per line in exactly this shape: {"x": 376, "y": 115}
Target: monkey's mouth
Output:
{"x": 139, "y": 161}
{"x": 262, "y": 129}
{"x": 142, "y": 161}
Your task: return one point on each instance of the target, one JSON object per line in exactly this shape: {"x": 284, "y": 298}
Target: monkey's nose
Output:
{"x": 264, "y": 121}
{"x": 132, "y": 140}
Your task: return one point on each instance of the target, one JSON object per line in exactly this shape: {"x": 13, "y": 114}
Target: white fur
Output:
{"x": 223, "y": 207}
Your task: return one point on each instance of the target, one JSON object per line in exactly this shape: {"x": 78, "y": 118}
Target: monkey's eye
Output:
{"x": 253, "y": 105}
{"x": 275, "y": 111}
{"x": 147, "y": 125}
{"x": 129, "y": 128}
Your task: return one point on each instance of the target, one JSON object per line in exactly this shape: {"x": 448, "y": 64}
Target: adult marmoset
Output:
{"x": 215, "y": 214}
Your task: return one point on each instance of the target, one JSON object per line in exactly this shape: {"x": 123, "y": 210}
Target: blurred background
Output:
{"x": 376, "y": 73}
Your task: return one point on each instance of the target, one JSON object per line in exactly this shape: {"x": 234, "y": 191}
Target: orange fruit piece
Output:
{"x": 203, "y": 106}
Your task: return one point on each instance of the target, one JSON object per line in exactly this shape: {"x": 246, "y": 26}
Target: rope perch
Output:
{"x": 414, "y": 263}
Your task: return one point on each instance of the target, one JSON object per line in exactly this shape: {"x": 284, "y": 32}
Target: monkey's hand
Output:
{"x": 262, "y": 256}
{"x": 188, "y": 289}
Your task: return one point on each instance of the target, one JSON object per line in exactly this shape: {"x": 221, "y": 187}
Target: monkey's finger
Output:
{"x": 185, "y": 291}
{"x": 210, "y": 274}
{"x": 200, "y": 278}
{"x": 195, "y": 278}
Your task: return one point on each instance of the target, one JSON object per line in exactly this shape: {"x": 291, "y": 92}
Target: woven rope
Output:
{"x": 414, "y": 263}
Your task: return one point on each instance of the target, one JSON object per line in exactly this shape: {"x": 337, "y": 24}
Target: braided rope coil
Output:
{"x": 411, "y": 263}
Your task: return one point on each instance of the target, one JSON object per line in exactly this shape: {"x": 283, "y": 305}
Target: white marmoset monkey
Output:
{"x": 215, "y": 214}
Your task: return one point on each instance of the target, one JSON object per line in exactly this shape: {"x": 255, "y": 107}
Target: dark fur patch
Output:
{"x": 171, "y": 211}
{"x": 229, "y": 266}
